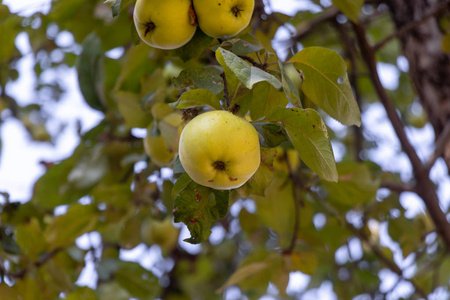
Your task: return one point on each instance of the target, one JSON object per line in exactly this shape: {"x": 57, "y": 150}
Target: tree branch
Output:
{"x": 411, "y": 26}
{"x": 441, "y": 143}
{"x": 398, "y": 188}
{"x": 425, "y": 187}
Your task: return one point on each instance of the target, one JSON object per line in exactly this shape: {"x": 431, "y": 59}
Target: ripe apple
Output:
{"x": 157, "y": 151}
{"x": 223, "y": 18}
{"x": 219, "y": 150}
{"x": 164, "y": 24}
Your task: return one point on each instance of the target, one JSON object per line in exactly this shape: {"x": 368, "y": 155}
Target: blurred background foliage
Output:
{"x": 354, "y": 235}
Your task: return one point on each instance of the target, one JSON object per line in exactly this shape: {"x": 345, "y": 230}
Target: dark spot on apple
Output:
{"x": 232, "y": 179}
{"x": 193, "y": 220}
{"x": 314, "y": 126}
{"x": 219, "y": 165}
{"x": 211, "y": 180}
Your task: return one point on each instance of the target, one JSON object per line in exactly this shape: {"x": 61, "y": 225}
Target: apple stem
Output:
{"x": 236, "y": 11}
{"x": 149, "y": 27}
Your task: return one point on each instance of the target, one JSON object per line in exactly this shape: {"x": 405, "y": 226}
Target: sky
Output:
{"x": 20, "y": 157}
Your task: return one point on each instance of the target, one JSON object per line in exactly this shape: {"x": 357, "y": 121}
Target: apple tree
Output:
{"x": 329, "y": 199}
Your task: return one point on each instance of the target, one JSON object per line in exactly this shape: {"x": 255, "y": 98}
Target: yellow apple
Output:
{"x": 156, "y": 149}
{"x": 163, "y": 233}
{"x": 162, "y": 148}
{"x": 219, "y": 150}
{"x": 283, "y": 157}
{"x": 164, "y": 24}
{"x": 223, "y": 18}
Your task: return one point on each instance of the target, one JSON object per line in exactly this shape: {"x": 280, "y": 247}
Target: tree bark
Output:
{"x": 429, "y": 67}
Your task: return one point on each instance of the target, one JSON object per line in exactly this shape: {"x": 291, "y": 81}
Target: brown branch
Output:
{"x": 441, "y": 143}
{"x": 425, "y": 187}
{"x": 398, "y": 188}
{"x": 411, "y": 25}
{"x": 306, "y": 28}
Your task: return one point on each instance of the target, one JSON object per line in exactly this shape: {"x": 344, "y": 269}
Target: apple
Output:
{"x": 156, "y": 149}
{"x": 283, "y": 157}
{"x": 219, "y": 150}
{"x": 223, "y": 18}
{"x": 164, "y": 24}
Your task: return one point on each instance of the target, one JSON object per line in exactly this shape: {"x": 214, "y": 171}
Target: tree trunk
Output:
{"x": 429, "y": 67}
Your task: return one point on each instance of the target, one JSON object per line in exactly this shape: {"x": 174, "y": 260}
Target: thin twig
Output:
{"x": 252, "y": 61}
{"x": 226, "y": 95}
{"x": 411, "y": 25}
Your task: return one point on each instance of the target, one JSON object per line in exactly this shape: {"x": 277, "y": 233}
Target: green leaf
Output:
{"x": 245, "y": 73}
{"x": 113, "y": 291}
{"x": 29, "y": 289}
{"x": 244, "y": 272}
{"x": 264, "y": 98}
{"x": 90, "y": 66}
{"x": 259, "y": 182}
{"x": 351, "y": 8}
{"x": 326, "y": 83}
{"x": 82, "y": 293}
{"x": 8, "y": 292}
{"x": 207, "y": 77}
{"x": 244, "y": 45}
{"x": 64, "y": 229}
{"x": 256, "y": 271}
{"x": 194, "y": 47}
{"x": 118, "y": 5}
{"x": 198, "y": 207}
{"x": 289, "y": 87}
{"x": 276, "y": 208}
{"x": 272, "y": 134}
{"x": 89, "y": 169}
{"x": 446, "y": 43}
{"x": 139, "y": 282}
{"x": 129, "y": 105}
{"x": 30, "y": 239}
{"x": 178, "y": 167}
{"x": 356, "y": 185}
{"x": 305, "y": 262}
{"x": 197, "y": 97}
{"x": 308, "y": 133}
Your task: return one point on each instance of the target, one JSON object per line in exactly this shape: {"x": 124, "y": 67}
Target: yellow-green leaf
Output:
{"x": 326, "y": 83}
{"x": 309, "y": 135}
